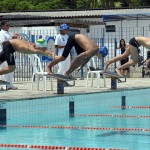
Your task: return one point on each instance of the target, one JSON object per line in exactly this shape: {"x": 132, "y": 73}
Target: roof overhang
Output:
{"x": 88, "y": 13}
{"x": 120, "y": 17}
{"x": 75, "y": 18}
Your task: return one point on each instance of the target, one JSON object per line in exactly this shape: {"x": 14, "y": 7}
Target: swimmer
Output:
{"x": 133, "y": 50}
{"x": 17, "y": 45}
{"x": 147, "y": 64}
{"x": 85, "y": 49}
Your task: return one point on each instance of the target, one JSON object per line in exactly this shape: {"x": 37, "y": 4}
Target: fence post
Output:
{"x": 102, "y": 44}
{"x": 82, "y": 75}
{"x": 115, "y": 41}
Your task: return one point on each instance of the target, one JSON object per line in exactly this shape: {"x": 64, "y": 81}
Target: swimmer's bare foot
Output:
{"x": 49, "y": 70}
{"x": 119, "y": 72}
{"x": 106, "y": 64}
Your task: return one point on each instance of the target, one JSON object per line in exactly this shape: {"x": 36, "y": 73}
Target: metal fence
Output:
{"x": 23, "y": 70}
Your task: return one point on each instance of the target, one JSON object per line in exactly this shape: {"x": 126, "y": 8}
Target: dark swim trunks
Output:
{"x": 134, "y": 43}
{"x": 123, "y": 61}
{"x": 7, "y": 54}
{"x": 70, "y": 43}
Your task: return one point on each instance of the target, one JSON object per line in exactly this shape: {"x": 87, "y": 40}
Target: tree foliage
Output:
{"x": 31, "y": 5}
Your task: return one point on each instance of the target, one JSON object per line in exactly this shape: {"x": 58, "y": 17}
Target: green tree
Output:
{"x": 49, "y": 5}
{"x": 107, "y": 3}
{"x": 25, "y": 5}
{"x": 96, "y": 3}
{"x": 88, "y": 4}
{"x": 82, "y": 4}
{"x": 117, "y": 4}
{"x": 145, "y": 3}
{"x": 8, "y": 5}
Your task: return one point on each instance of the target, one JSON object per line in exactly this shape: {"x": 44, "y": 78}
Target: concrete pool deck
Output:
{"x": 24, "y": 88}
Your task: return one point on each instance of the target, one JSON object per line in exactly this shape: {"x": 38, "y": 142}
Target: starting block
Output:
{"x": 114, "y": 77}
{"x": 60, "y": 82}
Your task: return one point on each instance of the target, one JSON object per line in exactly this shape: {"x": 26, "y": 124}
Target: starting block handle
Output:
{"x": 113, "y": 83}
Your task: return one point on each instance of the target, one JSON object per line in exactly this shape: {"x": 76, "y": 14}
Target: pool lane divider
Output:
{"x": 54, "y": 147}
{"x": 137, "y": 107}
{"x": 78, "y": 128}
{"x": 110, "y": 115}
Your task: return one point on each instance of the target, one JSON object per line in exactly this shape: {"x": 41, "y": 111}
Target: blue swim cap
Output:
{"x": 63, "y": 27}
{"x": 103, "y": 51}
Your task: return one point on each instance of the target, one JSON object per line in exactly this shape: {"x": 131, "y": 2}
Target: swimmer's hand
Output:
{"x": 49, "y": 70}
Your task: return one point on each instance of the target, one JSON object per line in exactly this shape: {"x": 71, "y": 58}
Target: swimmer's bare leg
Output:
{"x": 54, "y": 62}
{"x": 106, "y": 64}
{"x": 118, "y": 70}
{"x": 117, "y": 58}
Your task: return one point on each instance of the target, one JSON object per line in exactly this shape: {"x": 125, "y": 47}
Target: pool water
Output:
{"x": 93, "y": 110}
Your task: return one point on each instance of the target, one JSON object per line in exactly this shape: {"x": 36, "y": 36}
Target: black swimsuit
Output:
{"x": 134, "y": 43}
{"x": 70, "y": 43}
{"x": 7, "y": 54}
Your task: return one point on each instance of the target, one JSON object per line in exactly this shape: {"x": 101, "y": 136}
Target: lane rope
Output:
{"x": 78, "y": 128}
{"x": 54, "y": 147}
{"x": 137, "y": 107}
{"x": 110, "y": 115}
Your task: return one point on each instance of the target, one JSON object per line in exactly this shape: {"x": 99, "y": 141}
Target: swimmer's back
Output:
{"x": 85, "y": 42}
{"x": 19, "y": 45}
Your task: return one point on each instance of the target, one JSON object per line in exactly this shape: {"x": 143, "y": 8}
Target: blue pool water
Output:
{"x": 54, "y": 111}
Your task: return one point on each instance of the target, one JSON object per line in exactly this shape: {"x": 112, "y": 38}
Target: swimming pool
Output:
{"x": 94, "y": 120}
